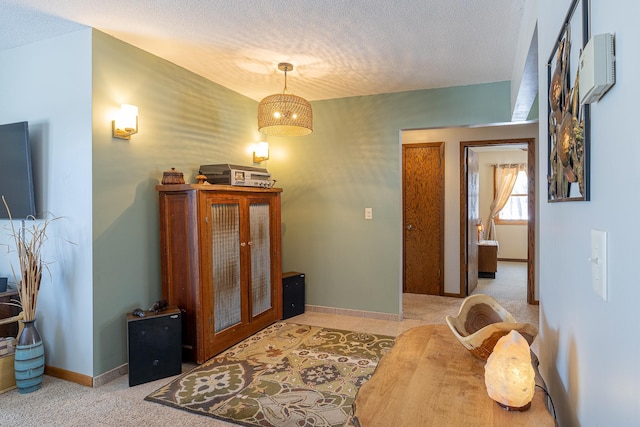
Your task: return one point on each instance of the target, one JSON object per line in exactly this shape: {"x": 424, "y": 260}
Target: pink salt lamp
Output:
{"x": 509, "y": 375}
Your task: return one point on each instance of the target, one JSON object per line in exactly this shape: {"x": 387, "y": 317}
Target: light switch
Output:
{"x": 598, "y": 261}
{"x": 368, "y": 213}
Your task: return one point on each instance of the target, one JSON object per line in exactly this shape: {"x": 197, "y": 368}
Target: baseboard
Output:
{"x": 117, "y": 372}
{"x": 71, "y": 376}
{"x": 512, "y": 259}
{"x": 86, "y": 380}
{"x": 356, "y": 313}
{"x": 111, "y": 375}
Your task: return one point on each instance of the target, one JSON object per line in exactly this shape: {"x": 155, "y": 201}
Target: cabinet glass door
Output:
{"x": 259, "y": 227}
{"x": 227, "y": 298}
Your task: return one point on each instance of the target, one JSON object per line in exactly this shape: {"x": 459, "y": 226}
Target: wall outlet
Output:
{"x": 368, "y": 213}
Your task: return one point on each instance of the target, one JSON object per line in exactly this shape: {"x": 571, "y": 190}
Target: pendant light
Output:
{"x": 285, "y": 114}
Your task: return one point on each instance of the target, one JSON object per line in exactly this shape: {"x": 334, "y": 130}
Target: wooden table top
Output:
{"x": 429, "y": 379}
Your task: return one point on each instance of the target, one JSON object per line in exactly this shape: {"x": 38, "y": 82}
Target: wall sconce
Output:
{"x": 261, "y": 152}
{"x": 126, "y": 122}
{"x": 509, "y": 375}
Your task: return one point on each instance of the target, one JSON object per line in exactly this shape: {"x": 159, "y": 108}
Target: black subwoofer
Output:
{"x": 292, "y": 294}
{"x": 154, "y": 345}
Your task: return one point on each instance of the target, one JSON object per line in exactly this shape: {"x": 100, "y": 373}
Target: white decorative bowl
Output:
{"x": 482, "y": 321}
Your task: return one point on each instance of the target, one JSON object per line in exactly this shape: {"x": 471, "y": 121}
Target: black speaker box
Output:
{"x": 292, "y": 294}
{"x": 154, "y": 345}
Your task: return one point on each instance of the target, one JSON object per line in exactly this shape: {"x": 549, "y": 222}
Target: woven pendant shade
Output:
{"x": 285, "y": 114}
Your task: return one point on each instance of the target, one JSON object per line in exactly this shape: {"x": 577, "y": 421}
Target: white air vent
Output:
{"x": 597, "y": 68}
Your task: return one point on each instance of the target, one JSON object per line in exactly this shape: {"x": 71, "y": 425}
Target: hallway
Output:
{"x": 510, "y": 282}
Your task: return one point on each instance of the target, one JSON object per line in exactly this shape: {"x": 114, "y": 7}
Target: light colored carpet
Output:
{"x": 433, "y": 309}
{"x": 509, "y": 288}
{"x": 429, "y": 308}
{"x": 510, "y": 282}
{"x": 62, "y": 403}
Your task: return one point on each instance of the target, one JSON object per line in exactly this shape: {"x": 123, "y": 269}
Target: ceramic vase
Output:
{"x": 29, "y": 359}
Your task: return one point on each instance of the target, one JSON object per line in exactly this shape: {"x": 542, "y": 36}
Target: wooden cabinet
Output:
{"x": 9, "y": 329}
{"x": 10, "y": 320}
{"x": 221, "y": 262}
{"x": 487, "y": 258}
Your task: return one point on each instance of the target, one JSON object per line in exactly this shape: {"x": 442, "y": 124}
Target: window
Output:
{"x": 516, "y": 210}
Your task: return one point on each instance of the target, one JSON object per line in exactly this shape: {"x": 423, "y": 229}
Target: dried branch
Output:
{"x": 29, "y": 242}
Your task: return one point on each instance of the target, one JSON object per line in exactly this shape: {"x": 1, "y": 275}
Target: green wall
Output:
{"x": 184, "y": 121}
{"x": 352, "y": 161}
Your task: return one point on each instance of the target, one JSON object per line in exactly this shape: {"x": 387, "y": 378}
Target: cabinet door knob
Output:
{"x": 250, "y": 243}
{"x": 243, "y": 244}
{"x": 409, "y": 227}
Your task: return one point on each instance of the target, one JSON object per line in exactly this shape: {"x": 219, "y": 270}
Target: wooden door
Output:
{"x": 473, "y": 217}
{"x": 423, "y": 218}
{"x": 224, "y": 287}
{"x": 261, "y": 281}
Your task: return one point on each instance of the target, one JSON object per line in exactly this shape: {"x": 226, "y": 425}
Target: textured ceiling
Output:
{"x": 339, "y": 48}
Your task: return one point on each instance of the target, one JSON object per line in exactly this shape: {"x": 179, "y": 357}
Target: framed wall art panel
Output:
{"x": 569, "y": 128}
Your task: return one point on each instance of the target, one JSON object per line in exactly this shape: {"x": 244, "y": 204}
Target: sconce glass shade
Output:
{"x": 126, "y": 123}
{"x": 285, "y": 114}
{"x": 509, "y": 375}
{"x": 261, "y": 152}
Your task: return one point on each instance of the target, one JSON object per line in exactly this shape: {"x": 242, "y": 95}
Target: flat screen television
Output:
{"x": 16, "y": 178}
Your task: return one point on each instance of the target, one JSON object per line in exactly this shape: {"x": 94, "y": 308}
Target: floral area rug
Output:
{"x": 285, "y": 375}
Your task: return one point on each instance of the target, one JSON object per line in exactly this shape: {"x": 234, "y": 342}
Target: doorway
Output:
{"x": 423, "y": 218}
{"x": 468, "y": 239}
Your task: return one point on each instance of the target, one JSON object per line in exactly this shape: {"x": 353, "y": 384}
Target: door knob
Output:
{"x": 409, "y": 227}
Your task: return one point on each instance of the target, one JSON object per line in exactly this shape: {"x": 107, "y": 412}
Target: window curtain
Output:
{"x": 505, "y": 178}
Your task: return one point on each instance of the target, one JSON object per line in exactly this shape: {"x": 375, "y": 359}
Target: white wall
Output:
{"x": 48, "y": 84}
{"x": 452, "y": 138}
{"x": 589, "y": 348}
{"x": 512, "y": 238}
